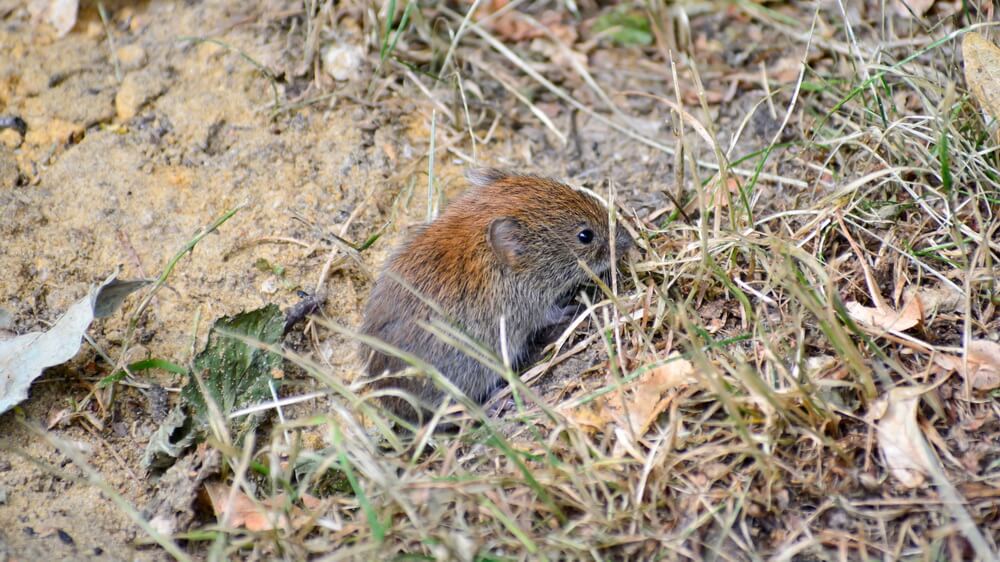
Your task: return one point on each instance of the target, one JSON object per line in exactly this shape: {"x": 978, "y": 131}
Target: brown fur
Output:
{"x": 506, "y": 247}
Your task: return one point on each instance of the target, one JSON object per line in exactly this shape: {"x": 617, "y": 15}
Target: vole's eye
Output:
{"x": 585, "y": 236}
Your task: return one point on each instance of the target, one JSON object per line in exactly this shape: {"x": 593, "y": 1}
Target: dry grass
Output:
{"x": 877, "y": 178}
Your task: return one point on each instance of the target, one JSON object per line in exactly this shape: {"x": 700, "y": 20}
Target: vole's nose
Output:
{"x": 623, "y": 242}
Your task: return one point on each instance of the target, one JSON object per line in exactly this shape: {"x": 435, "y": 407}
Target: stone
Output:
{"x": 131, "y": 57}
{"x": 10, "y": 138}
{"x": 342, "y": 61}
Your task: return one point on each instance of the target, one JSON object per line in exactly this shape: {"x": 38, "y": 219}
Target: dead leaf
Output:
{"x": 646, "y": 404}
{"x": 982, "y": 71}
{"x": 589, "y": 417}
{"x": 240, "y": 510}
{"x": 785, "y": 71}
{"x": 899, "y": 437}
{"x": 25, "y": 357}
{"x": 692, "y": 96}
{"x": 978, "y": 491}
{"x": 640, "y": 403}
{"x": 265, "y": 515}
{"x": 984, "y": 364}
{"x": 934, "y": 300}
{"x": 719, "y": 196}
{"x": 912, "y": 8}
{"x": 986, "y": 354}
{"x": 885, "y": 318}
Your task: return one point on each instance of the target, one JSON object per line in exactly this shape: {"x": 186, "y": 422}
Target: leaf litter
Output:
{"x": 899, "y": 436}
{"x": 982, "y": 72}
{"x": 24, "y": 358}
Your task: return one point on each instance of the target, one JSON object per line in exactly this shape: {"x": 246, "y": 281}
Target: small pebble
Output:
{"x": 10, "y": 138}
{"x": 131, "y": 57}
{"x": 269, "y": 286}
{"x": 342, "y": 61}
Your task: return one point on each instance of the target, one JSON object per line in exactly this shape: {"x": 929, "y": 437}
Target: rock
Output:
{"x": 131, "y": 57}
{"x": 10, "y": 138}
{"x": 342, "y": 61}
{"x": 61, "y": 15}
{"x": 94, "y": 29}
{"x": 8, "y": 170}
{"x": 138, "y": 89}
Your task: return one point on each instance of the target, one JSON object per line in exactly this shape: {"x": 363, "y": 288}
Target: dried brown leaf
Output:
{"x": 986, "y": 354}
{"x": 935, "y": 300}
{"x": 590, "y": 417}
{"x": 982, "y": 71}
{"x": 640, "y": 403}
{"x": 885, "y": 318}
{"x": 899, "y": 436}
{"x": 984, "y": 364}
{"x": 514, "y": 27}
{"x": 244, "y": 512}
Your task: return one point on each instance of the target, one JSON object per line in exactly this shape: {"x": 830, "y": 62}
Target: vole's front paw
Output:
{"x": 497, "y": 409}
{"x": 562, "y": 314}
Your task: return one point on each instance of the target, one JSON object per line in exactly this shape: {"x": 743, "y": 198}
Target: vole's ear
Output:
{"x": 506, "y": 237}
{"x": 481, "y": 177}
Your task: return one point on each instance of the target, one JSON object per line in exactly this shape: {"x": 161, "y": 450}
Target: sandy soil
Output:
{"x": 123, "y": 174}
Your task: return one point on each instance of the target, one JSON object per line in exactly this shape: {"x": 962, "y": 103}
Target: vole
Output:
{"x": 509, "y": 247}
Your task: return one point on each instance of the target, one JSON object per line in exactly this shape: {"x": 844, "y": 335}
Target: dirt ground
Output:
{"x": 130, "y": 149}
{"x": 124, "y": 173}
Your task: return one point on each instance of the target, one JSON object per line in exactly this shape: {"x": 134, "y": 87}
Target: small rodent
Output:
{"x": 507, "y": 247}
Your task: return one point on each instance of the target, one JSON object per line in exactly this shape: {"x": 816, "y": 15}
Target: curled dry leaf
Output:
{"x": 885, "y": 318}
{"x": 982, "y": 71}
{"x": 934, "y": 300}
{"x": 255, "y": 516}
{"x": 25, "y": 357}
{"x": 647, "y": 400}
{"x": 640, "y": 403}
{"x": 984, "y": 364}
{"x": 899, "y": 436}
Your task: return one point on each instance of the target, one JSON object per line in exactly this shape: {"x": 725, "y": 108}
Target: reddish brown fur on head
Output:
{"x": 524, "y": 226}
